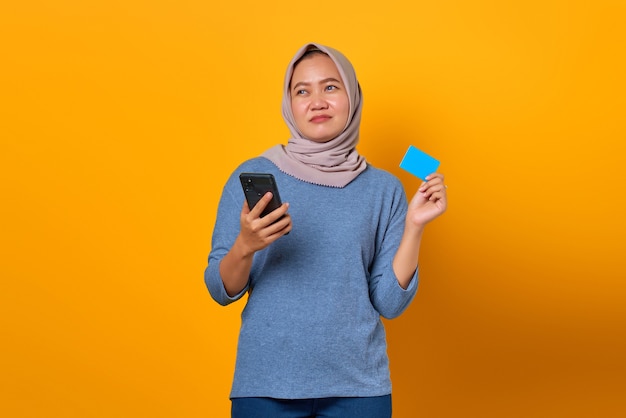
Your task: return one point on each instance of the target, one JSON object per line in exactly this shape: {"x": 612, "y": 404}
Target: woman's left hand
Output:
{"x": 429, "y": 202}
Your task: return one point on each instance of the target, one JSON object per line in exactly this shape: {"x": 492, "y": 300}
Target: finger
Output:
{"x": 432, "y": 186}
{"x": 261, "y": 205}
{"x": 427, "y": 191}
{"x": 434, "y": 176}
{"x": 278, "y": 212}
{"x": 435, "y": 196}
{"x": 245, "y": 209}
{"x": 438, "y": 196}
{"x": 271, "y": 218}
{"x": 274, "y": 215}
{"x": 431, "y": 180}
{"x": 281, "y": 227}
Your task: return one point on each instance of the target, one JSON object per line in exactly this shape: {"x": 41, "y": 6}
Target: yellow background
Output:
{"x": 120, "y": 121}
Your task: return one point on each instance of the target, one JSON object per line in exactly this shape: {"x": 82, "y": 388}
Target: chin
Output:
{"x": 320, "y": 140}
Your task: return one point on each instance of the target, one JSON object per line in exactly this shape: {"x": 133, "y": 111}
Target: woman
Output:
{"x": 312, "y": 341}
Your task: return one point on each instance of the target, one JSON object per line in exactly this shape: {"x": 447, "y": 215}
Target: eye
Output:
{"x": 300, "y": 92}
{"x": 331, "y": 88}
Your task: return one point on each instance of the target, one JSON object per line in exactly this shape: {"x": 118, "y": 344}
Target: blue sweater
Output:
{"x": 311, "y": 327}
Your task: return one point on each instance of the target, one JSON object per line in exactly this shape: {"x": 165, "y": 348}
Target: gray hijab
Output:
{"x": 334, "y": 163}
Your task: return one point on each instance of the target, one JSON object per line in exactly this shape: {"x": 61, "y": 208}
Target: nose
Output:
{"x": 318, "y": 102}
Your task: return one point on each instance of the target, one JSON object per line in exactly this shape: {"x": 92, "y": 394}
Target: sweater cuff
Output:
{"x": 214, "y": 283}
{"x": 395, "y": 299}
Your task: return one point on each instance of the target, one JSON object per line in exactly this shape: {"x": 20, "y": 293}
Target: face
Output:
{"x": 319, "y": 100}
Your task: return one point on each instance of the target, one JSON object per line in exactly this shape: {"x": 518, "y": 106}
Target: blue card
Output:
{"x": 418, "y": 163}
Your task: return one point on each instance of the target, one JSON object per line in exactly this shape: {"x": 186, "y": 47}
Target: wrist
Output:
{"x": 414, "y": 230}
{"x": 242, "y": 250}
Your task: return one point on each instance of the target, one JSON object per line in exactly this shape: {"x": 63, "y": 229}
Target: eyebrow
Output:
{"x": 324, "y": 81}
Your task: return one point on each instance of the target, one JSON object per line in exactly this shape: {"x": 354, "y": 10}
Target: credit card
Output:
{"x": 418, "y": 163}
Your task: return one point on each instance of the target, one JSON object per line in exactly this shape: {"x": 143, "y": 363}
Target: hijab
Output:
{"x": 334, "y": 163}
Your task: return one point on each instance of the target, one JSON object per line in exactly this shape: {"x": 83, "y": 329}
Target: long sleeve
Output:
{"x": 224, "y": 234}
{"x": 387, "y": 296}
{"x": 311, "y": 325}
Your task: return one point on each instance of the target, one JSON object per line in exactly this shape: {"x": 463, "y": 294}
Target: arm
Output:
{"x": 429, "y": 202}
{"x": 256, "y": 233}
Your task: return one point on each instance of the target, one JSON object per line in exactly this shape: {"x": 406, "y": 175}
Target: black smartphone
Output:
{"x": 255, "y": 185}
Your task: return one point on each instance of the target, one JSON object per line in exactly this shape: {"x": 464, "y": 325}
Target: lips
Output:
{"x": 319, "y": 118}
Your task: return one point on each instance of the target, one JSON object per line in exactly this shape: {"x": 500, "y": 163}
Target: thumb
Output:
{"x": 245, "y": 209}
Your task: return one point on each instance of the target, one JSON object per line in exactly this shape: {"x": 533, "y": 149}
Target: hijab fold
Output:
{"x": 334, "y": 163}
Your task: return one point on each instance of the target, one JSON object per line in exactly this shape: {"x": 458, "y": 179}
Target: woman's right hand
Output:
{"x": 256, "y": 232}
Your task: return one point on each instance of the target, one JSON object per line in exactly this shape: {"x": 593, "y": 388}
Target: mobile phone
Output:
{"x": 255, "y": 185}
